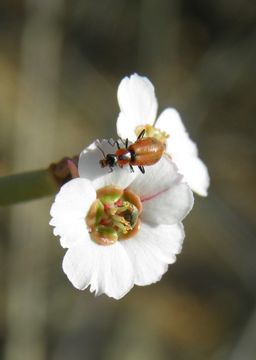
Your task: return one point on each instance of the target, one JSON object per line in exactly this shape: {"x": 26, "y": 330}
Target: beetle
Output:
{"x": 143, "y": 152}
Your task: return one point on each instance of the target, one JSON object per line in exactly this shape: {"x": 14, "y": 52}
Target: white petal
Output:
{"x": 107, "y": 269}
{"x": 126, "y": 128}
{"x": 69, "y": 210}
{"x": 74, "y": 198}
{"x": 70, "y": 230}
{"x": 179, "y": 141}
{"x": 89, "y": 167}
{"x": 138, "y": 104}
{"x": 170, "y": 206}
{"x": 88, "y": 164}
{"x": 184, "y": 151}
{"x": 119, "y": 177}
{"x": 152, "y": 250}
{"x": 195, "y": 173}
{"x": 165, "y": 198}
{"x": 157, "y": 178}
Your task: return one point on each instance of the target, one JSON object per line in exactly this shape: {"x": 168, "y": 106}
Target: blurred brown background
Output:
{"x": 60, "y": 65}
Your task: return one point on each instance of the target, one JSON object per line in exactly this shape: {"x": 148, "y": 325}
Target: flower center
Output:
{"x": 151, "y": 131}
{"x": 114, "y": 215}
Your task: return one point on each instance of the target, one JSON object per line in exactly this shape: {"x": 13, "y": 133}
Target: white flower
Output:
{"x": 138, "y": 109}
{"x": 137, "y": 216}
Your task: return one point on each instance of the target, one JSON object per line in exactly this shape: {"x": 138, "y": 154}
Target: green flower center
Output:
{"x": 114, "y": 215}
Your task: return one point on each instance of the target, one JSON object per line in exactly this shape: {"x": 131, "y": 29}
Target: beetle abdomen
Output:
{"x": 147, "y": 151}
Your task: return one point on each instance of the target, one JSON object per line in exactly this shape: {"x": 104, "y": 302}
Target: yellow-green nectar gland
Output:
{"x": 114, "y": 215}
{"x": 151, "y": 131}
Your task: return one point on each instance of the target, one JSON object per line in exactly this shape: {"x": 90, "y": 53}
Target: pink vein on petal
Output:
{"x": 149, "y": 197}
{"x": 146, "y": 198}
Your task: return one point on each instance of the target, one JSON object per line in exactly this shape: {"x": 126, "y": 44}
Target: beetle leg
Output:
{"x": 132, "y": 170}
{"x": 122, "y": 141}
{"x": 142, "y": 169}
{"x": 111, "y": 143}
{"x": 117, "y": 144}
{"x": 141, "y": 134}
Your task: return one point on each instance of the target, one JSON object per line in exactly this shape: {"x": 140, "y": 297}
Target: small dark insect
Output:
{"x": 143, "y": 152}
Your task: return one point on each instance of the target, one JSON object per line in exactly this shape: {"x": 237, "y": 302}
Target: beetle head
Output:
{"x": 110, "y": 160}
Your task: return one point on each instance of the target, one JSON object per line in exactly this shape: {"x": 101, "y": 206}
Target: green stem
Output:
{"x": 26, "y": 186}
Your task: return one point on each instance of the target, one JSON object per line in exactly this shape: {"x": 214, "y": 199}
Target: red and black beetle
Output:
{"x": 143, "y": 152}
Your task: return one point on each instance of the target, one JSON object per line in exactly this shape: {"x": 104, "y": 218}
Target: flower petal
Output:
{"x": 126, "y": 128}
{"x": 157, "y": 178}
{"x": 73, "y": 199}
{"x": 88, "y": 164}
{"x": 153, "y": 248}
{"x": 119, "y": 177}
{"x": 69, "y": 210}
{"x": 195, "y": 173}
{"x": 184, "y": 151}
{"x": 138, "y": 105}
{"x": 70, "y": 230}
{"x": 165, "y": 198}
{"x": 107, "y": 269}
{"x": 179, "y": 141}
{"x": 170, "y": 206}
{"x": 89, "y": 167}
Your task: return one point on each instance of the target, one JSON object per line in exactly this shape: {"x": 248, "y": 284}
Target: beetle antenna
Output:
{"x": 104, "y": 155}
{"x": 114, "y": 143}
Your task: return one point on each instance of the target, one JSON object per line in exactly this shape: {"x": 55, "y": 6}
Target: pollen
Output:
{"x": 114, "y": 215}
{"x": 151, "y": 131}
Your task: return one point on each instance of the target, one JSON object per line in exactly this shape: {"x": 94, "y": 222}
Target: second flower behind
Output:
{"x": 138, "y": 110}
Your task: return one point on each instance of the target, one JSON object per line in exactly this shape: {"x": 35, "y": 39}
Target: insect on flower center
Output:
{"x": 114, "y": 215}
{"x": 151, "y": 131}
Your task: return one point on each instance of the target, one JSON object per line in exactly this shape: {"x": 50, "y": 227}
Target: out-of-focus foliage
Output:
{"x": 60, "y": 65}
